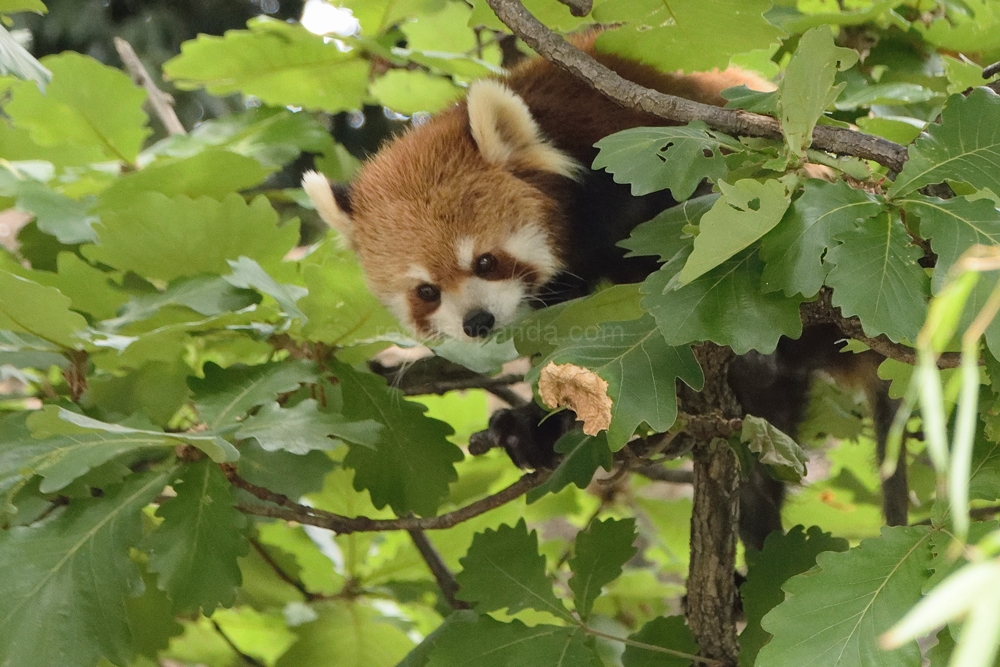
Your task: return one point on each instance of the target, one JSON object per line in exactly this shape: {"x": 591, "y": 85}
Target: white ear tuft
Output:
{"x": 508, "y": 136}
{"x": 318, "y": 188}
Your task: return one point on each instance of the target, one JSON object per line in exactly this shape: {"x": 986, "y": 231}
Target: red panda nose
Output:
{"x": 478, "y": 323}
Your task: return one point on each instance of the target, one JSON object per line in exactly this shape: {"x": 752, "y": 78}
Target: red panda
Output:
{"x": 462, "y": 221}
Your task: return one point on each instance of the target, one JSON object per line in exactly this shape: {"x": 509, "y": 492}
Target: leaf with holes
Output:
{"x": 964, "y": 147}
{"x": 746, "y": 211}
{"x": 834, "y": 615}
{"x": 807, "y": 87}
{"x": 655, "y": 158}
{"x": 195, "y": 550}
{"x": 503, "y": 570}
{"x": 75, "y": 568}
{"x": 793, "y": 251}
{"x": 877, "y": 278}
{"x": 667, "y": 234}
{"x": 640, "y": 368}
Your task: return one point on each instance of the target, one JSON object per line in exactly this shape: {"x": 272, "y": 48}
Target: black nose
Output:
{"x": 478, "y": 323}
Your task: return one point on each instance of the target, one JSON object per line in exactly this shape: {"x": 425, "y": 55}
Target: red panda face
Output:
{"x": 457, "y": 249}
{"x": 451, "y": 222}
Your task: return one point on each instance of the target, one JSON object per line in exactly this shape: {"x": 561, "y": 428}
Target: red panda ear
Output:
{"x": 321, "y": 193}
{"x": 508, "y": 136}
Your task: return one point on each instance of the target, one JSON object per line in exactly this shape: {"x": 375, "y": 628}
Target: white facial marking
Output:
{"x": 465, "y": 251}
{"x": 530, "y": 245}
{"x": 418, "y": 272}
{"x": 501, "y": 298}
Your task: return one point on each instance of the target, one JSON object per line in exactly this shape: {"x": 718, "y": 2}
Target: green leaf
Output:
{"x": 667, "y": 234}
{"x": 205, "y": 295}
{"x": 71, "y": 423}
{"x": 807, "y": 89}
{"x": 654, "y": 158}
{"x": 59, "y": 459}
{"x": 582, "y": 455}
{"x": 409, "y": 91}
{"x": 211, "y": 173}
{"x": 86, "y": 103}
{"x": 194, "y": 550}
{"x": 339, "y": 307}
{"x": 834, "y": 616}
{"x": 774, "y": 448}
{"x": 745, "y": 212}
{"x": 69, "y": 220}
{"x": 503, "y": 570}
{"x": 225, "y": 395}
{"x": 75, "y": 568}
{"x": 157, "y": 388}
{"x": 302, "y": 69}
{"x": 248, "y": 274}
{"x": 304, "y": 428}
{"x": 27, "y": 307}
{"x": 601, "y": 551}
{"x": 877, "y": 278}
{"x": 168, "y": 237}
{"x": 470, "y": 641}
{"x": 347, "y": 633}
{"x": 412, "y": 463}
{"x": 273, "y": 137}
{"x": 964, "y": 147}
{"x": 725, "y": 306}
{"x": 691, "y": 36}
{"x": 293, "y": 475}
{"x": 12, "y": 6}
{"x": 793, "y": 251}
{"x": 641, "y": 371}
{"x": 539, "y": 331}
{"x": 670, "y": 632}
{"x": 953, "y": 226}
{"x": 783, "y": 557}
{"x": 151, "y": 620}
{"x": 91, "y": 290}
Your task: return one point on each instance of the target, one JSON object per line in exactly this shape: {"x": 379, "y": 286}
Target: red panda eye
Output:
{"x": 428, "y": 293}
{"x": 485, "y": 264}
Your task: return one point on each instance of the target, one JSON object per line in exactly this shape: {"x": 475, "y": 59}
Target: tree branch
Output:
{"x": 552, "y": 47}
{"x": 823, "y": 311}
{"x": 160, "y": 101}
{"x": 434, "y": 375}
{"x": 291, "y": 511}
{"x": 445, "y": 579}
{"x": 284, "y": 576}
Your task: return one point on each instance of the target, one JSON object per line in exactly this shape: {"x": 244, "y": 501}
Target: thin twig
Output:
{"x": 445, "y": 579}
{"x": 578, "y": 7}
{"x": 343, "y": 525}
{"x": 160, "y": 101}
{"x": 253, "y": 662}
{"x": 552, "y": 47}
{"x": 661, "y": 474}
{"x": 284, "y": 576}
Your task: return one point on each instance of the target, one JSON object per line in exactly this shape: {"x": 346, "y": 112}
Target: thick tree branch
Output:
{"x": 434, "y": 375}
{"x": 291, "y": 511}
{"x": 552, "y": 47}
{"x": 822, "y": 311}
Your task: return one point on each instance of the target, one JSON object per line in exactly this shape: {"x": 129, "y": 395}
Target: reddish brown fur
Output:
{"x": 431, "y": 187}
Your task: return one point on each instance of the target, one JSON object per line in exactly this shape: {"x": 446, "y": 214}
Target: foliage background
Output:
{"x": 168, "y": 343}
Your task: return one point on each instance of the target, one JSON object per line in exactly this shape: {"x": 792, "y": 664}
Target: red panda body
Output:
{"x": 462, "y": 220}
{"x": 490, "y": 205}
